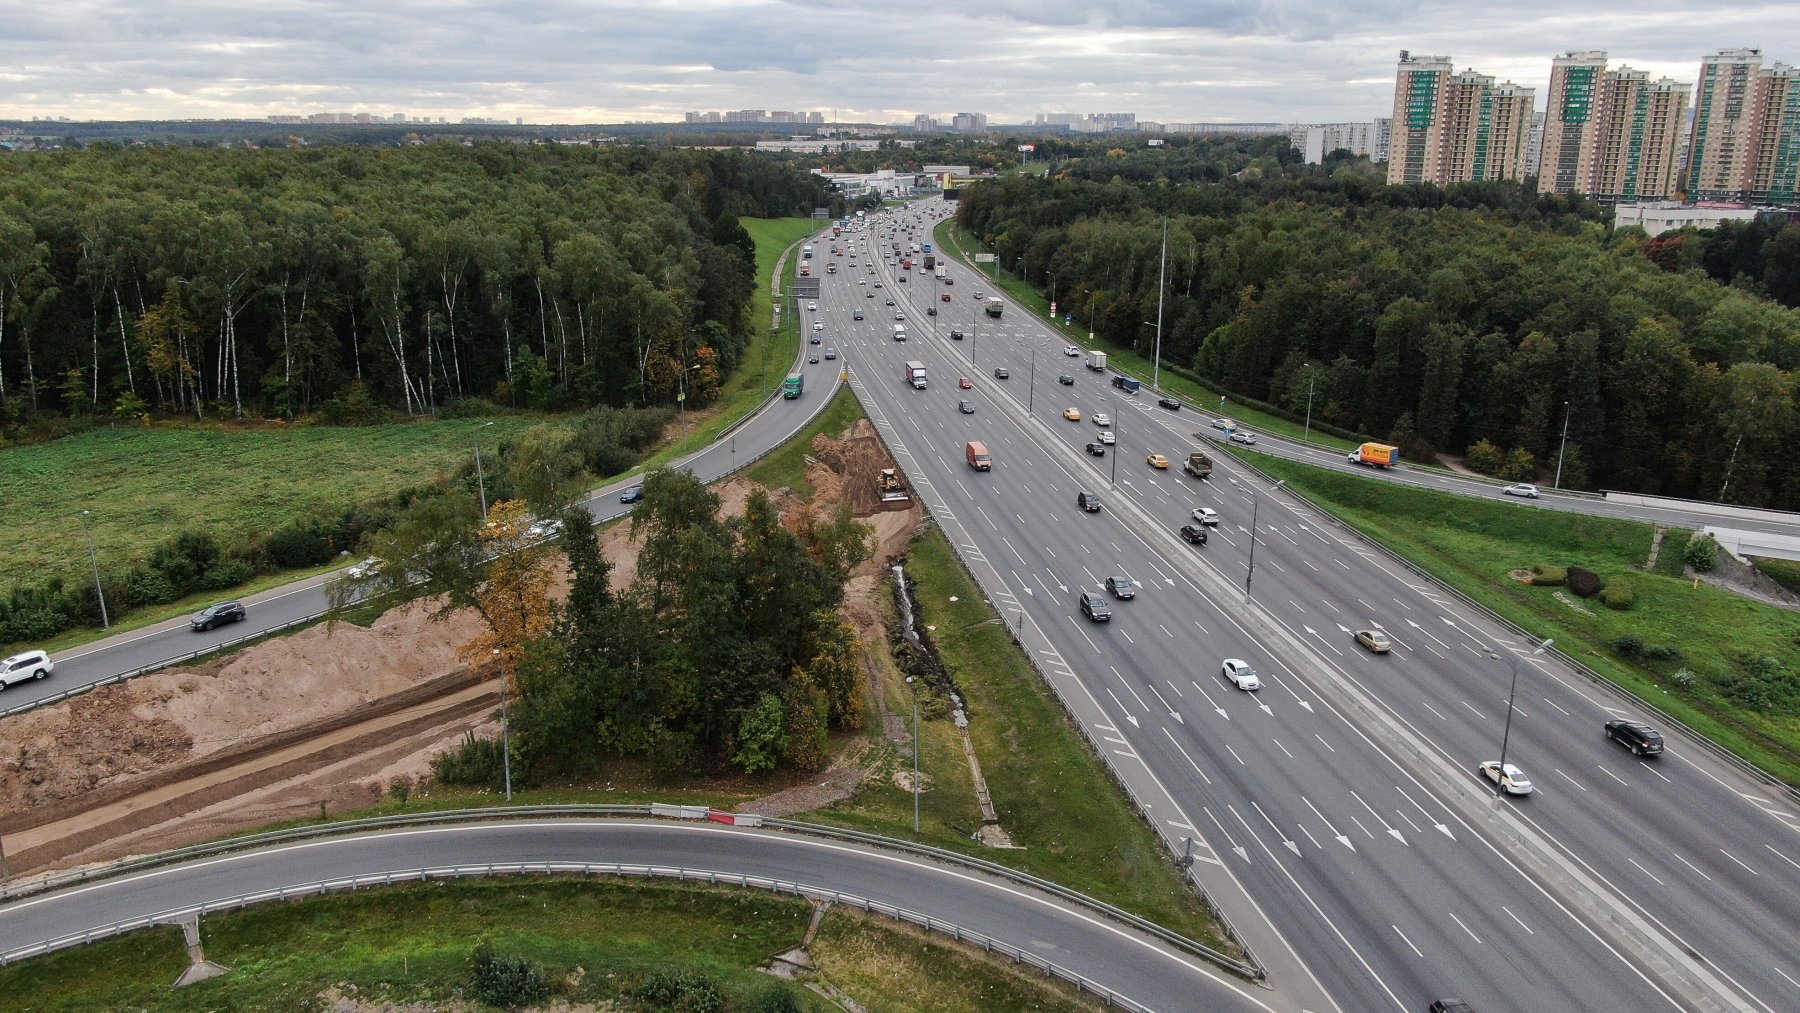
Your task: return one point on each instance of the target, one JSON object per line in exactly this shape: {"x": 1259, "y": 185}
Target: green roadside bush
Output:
{"x": 1585, "y": 583}
{"x": 506, "y": 980}
{"x": 1702, "y": 553}
{"x": 1618, "y": 596}
{"x": 1548, "y": 576}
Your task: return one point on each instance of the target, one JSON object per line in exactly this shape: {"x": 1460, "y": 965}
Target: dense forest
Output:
{"x": 1437, "y": 318}
{"x": 277, "y": 282}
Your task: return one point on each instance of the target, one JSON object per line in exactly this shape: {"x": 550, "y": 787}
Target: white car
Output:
{"x": 1206, "y": 515}
{"x": 544, "y": 529}
{"x": 1107, "y": 437}
{"x": 23, "y": 666}
{"x": 818, "y": 325}
{"x": 1103, "y": 420}
{"x": 813, "y": 306}
{"x": 1226, "y": 424}
{"x": 1243, "y": 436}
{"x": 1071, "y": 350}
{"x": 1241, "y": 675}
{"x": 1513, "y": 782}
{"x": 1524, "y": 489}
{"x": 367, "y": 568}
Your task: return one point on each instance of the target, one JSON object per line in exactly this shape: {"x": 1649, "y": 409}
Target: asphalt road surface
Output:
{"x": 1357, "y": 829}
{"x": 1117, "y": 958}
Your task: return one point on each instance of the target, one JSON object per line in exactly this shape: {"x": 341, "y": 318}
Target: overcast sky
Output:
{"x": 561, "y": 61}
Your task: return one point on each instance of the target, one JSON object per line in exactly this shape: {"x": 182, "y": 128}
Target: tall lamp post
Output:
{"x": 1564, "y": 447}
{"x": 1088, "y": 294}
{"x": 1512, "y": 660}
{"x": 915, "y": 737}
{"x": 505, "y": 729}
{"x": 1031, "y": 384}
{"x": 1312, "y": 377}
{"x": 94, "y": 561}
{"x": 480, "y": 480}
{"x": 1255, "y": 504}
{"x": 1116, "y": 446}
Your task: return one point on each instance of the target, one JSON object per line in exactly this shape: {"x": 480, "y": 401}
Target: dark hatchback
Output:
{"x": 213, "y": 616}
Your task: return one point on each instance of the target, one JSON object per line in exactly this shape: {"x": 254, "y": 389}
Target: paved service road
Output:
{"x": 126, "y": 652}
{"x": 1101, "y": 951}
{"x": 1342, "y": 796}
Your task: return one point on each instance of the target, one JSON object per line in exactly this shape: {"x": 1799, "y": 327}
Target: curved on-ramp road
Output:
{"x": 1105, "y": 953}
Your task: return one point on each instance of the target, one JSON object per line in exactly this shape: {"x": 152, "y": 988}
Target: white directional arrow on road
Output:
{"x": 1427, "y": 632}
{"x": 1445, "y": 830}
{"x": 1345, "y": 841}
{"x": 1172, "y": 711}
{"x": 1322, "y": 639}
{"x": 1210, "y": 700}
{"x": 1291, "y": 846}
{"x": 1395, "y": 834}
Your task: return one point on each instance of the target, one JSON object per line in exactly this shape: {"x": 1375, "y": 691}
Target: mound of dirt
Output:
{"x": 854, "y": 461}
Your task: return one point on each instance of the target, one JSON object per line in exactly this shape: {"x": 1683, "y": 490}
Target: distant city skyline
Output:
{"x": 605, "y": 62}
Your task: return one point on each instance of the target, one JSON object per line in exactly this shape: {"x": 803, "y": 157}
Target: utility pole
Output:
{"x": 505, "y": 729}
{"x": 1312, "y": 377}
{"x": 1512, "y": 661}
{"x": 1162, "y": 274}
{"x": 1565, "y": 446}
{"x": 480, "y": 481}
{"x": 94, "y": 561}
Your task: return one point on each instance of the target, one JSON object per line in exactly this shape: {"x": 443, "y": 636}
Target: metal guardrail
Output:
{"x": 253, "y": 841}
{"x": 1664, "y": 717}
{"x": 1049, "y": 968}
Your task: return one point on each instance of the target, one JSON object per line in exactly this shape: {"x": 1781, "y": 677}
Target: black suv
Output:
{"x": 1096, "y": 450}
{"x": 1089, "y": 501}
{"x": 1640, "y": 738}
{"x": 1193, "y": 534}
{"x": 1451, "y": 1006}
{"x": 218, "y": 615}
{"x": 1094, "y": 607}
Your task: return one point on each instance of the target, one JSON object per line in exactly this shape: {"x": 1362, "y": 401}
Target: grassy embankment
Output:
{"x": 1717, "y": 683}
{"x": 597, "y": 941}
{"x": 955, "y": 237}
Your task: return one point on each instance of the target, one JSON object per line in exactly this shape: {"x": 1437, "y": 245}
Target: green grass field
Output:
{"x": 787, "y": 466}
{"x": 596, "y": 939}
{"x": 1728, "y": 693}
{"x": 144, "y": 485}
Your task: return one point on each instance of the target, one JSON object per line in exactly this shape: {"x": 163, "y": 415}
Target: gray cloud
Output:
{"x": 568, "y": 60}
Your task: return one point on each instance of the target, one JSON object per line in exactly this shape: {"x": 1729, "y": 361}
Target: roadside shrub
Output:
{"x": 1618, "y": 596}
{"x": 1484, "y": 457}
{"x": 227, "y": 573}
{"x": 679, "y": 988}
{"x": 1702, "y": 553}
{"x": 472, "y": 761}
{"x": 148, "y": 587}
{"x": 295, "y": 548}
{"x": 1682, "y": 677}
{"x": 779, "y": 997}
{"x": 1548, "y": 576}
{"x": 1630, "y": 645}
{"x": 1520, "y": 466}
{"x": 1662, "y": 652}
{"x": 505, "y": 979}
{"x": 1585, "y": 583}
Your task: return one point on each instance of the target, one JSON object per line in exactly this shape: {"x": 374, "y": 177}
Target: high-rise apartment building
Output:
{"x": 1453, "y": 128}
{"x": 1611, "y": 134}
{"x": 1775, "y": 175}
{"x": 1721, "y": 155}
{"x": 969, "y": 122}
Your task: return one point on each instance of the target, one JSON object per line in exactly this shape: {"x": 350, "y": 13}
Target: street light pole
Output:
{"x": 915, "y": 744}
{"x": 1513, "y": 662}
{"x": 1161, "y": 274}
{"x": 1564, "y": 447}
{"x": 505, "y": 729}
{"x": 480, "y": 480}
{"x": 1255, "y": 505}
{"x": 1088, "y": 294}
{"x": 94, "y": 561}
{"x": 1031, "y": 384}
{"x": 1311, "y": 378}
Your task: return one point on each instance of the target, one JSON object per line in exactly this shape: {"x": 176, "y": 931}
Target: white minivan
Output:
{"x": 21, "y": 667}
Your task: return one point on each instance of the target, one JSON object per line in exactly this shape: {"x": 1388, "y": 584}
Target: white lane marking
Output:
{"x": 1570, "y": 779}
{"x": 1692, "y": 866}
{"x": 1515, "y": 918}
{"x": 1185, "y": 756}
{"x": 1734, "y": 858}
{"x": 1612, "y": 775}
{"x": 1465, "y": 928}
{"x": 1646, "y": 872}
{"x": 1405, "y": 940}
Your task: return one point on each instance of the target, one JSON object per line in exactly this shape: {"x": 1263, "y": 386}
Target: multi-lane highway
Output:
{"x": 1123, "y": 960}
{"x": 1338, "y": 819}
{"x": 1342, "y": 795}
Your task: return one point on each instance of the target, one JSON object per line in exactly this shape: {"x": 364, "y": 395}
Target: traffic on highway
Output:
{"x": 1349, "y": 793}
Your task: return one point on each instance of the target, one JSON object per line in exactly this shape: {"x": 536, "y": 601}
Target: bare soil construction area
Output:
{"x": 329, "y": 718}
